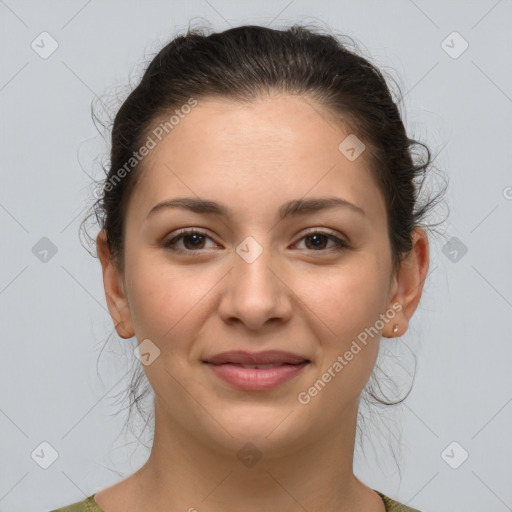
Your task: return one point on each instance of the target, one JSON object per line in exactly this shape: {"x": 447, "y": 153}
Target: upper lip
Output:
{"x": 266, "y": 357}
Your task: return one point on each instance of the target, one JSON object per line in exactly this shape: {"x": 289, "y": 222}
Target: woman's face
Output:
{"x": 253, "y": 281}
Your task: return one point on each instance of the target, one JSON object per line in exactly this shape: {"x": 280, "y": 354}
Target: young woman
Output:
{"x": 260, "y": 234}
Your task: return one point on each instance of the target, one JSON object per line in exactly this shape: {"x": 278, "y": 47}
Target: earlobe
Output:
{"x": 397, "y": 325}
{"x": 409, "y": 281}
{"x": 117, "y": 302}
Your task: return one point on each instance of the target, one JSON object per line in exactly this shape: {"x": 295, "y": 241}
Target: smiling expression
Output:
{"x": 285, "y": 248}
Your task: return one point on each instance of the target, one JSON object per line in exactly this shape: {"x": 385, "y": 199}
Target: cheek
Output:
{"x": 345, "y": 300}
{"x": 345, "y": 304}
{"x": 167, "y": 301}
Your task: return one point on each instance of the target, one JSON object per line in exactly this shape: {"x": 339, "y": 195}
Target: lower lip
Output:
{"x": 254, "y": 379}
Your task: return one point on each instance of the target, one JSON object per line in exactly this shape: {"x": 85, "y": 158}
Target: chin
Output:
{"x": 270, "y": 429}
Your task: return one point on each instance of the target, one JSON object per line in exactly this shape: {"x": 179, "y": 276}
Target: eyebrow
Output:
{"x": 291, "y": 208}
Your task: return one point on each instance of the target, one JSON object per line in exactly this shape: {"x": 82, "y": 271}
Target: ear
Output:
{"x": 407, "y": 283}
{"x": 117, "y": 301}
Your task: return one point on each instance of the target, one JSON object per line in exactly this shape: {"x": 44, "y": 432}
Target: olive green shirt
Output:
{"x": 89, "y": 505}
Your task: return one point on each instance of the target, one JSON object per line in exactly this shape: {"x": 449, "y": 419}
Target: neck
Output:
{"x": 184, "y": 472}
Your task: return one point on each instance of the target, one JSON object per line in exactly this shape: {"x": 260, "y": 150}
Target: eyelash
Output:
{"x": 170, "y": 244}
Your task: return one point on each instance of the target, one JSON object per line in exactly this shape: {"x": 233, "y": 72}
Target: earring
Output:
{"x": 395, "y": 329}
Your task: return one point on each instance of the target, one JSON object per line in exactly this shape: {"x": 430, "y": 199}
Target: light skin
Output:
{"x": 300, "y": 295}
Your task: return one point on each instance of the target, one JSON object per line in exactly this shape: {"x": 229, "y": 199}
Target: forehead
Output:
{"x": 263, "y": 152}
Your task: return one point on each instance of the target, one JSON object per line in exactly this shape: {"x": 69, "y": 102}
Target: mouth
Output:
{"x": 261, "y": 366}
{"x": 268, "y": 357}
{"x": 256, "y": 371}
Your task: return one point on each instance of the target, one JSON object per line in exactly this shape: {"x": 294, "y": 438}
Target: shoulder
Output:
{"x": 87, "y": 505}
{"x": 394, "y": 506}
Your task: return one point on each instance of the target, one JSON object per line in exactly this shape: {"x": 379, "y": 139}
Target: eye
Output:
{"x": 192, "y": 238}
{"x": 318, "y": 239}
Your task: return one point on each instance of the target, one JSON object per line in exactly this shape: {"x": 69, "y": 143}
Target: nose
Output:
{"x": 255, "y": 292}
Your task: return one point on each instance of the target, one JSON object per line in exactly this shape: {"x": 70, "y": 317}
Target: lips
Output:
{"x": 268, "y": 359}
{"x": 256, "y": 371}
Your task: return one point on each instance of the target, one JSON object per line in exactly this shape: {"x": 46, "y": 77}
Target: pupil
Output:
{"x": 196, "y": 239}
{"x": 317, "y": 238}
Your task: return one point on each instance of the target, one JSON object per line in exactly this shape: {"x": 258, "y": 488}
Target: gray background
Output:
{"x": 54, "y": 317}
